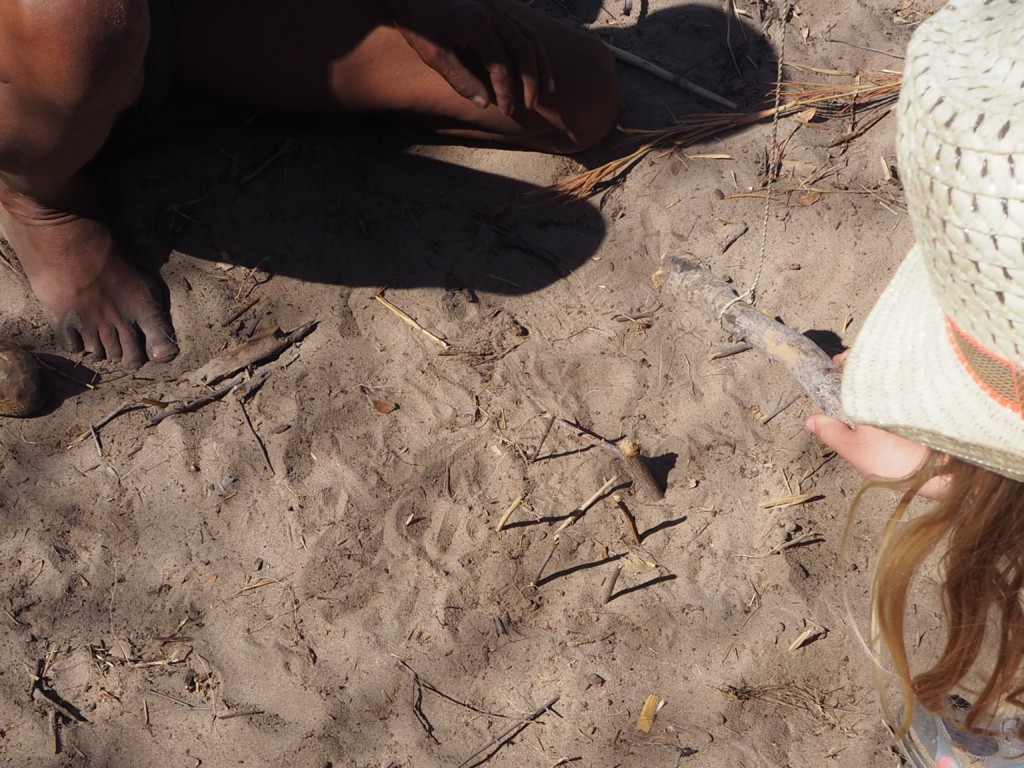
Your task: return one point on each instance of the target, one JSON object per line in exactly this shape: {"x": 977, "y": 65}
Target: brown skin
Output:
{"x": 491, "y": 69}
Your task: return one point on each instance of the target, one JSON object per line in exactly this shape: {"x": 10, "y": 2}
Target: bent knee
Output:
{"x": 69, "y": 52}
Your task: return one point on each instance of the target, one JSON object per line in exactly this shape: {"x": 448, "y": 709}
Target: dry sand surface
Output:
{"x": 313, "y": 577}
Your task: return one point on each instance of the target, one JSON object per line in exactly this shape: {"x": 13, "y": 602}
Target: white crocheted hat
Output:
{"x": 940, "y": 359}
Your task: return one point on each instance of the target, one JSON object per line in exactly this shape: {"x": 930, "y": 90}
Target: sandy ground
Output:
{"x": 313, "y": 578}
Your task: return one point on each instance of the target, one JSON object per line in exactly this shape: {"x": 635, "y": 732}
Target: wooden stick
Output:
{"x": 240, "y": 311}
{"x": 547, "y": 430}
{"x": 609, "y": 590}
{"x": 639, "y": 471}
{"x": 197, "y": 403}
{"x": 249, "y": 353}
{"x": 677, "y": 80}
{"x": 805, "y": 360}
{"x": 581, "y": 510}
{"x": 535, "y": 581}
{"x": 410, "y": 321}
{"x": 94, "y": 429}
{"x": 511, "y": 730}
{"x": 730, "y": 351}
{"x": 629, "y": 517}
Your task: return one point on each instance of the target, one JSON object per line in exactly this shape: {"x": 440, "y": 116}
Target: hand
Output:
{"x": 874, "y": 452}
{"x": 442, "y": 32}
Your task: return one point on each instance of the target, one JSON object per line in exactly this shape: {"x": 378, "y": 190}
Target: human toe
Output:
{"x": 160, "y": 345}
{"x": 111, "y": 340}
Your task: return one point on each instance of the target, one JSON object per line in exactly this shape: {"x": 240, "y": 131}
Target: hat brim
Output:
{"x": 904, "y": 376}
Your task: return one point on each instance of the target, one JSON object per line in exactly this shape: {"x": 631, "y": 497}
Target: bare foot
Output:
{"x": 95, "y": 299}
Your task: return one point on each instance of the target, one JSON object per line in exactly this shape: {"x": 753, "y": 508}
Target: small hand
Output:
{"x": 443, "y": 31}
{"x": 874, "y": 452}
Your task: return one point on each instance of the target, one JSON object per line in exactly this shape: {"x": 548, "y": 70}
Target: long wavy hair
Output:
{"x": 977, "y": 532}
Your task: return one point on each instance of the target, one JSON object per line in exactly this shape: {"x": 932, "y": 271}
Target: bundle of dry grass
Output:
{"x": 860, "y": 99}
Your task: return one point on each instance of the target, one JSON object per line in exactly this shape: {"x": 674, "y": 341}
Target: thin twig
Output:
{"x": 94, "y": 429}
{"x": 735, "y": 349}
{"x": 581, "y": 510}
{"x": 441, "y": 694}
{"x": 779, "y": 409}
{"x": 535, "y": 581}
{"x": 240, "y": 311}
{"x": 511, "y": 731}
{"x": 677, "y": 80}
{"x": 197, "y": 403}
{"x": 256, "y": 435}
{"x": 246, "y": 713}
{"x": 408, "y": 320}
{"x": 547, "y": 429}
{"x": 629, "y": 517}
{"x": 289, "y": 145}
{"x": 180, "y": 703}
{"x": 256, "y": 380}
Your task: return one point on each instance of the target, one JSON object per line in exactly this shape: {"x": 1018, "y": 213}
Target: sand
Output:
{"x": 312, "y": 577}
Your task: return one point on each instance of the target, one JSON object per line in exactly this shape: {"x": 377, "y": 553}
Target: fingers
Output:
{"x": 530, "y": 61}
{"x": 493, "y": 41}
{"x": 529, "y": 72}
{"x": 511, "y": 53}
{"x": 874, "y": 452}
{"x": 836, "y": 435}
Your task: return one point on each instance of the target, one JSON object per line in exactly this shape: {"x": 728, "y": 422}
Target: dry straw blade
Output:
{"x": 867, "y": 93}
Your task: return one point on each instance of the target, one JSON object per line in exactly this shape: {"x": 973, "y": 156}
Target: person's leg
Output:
{"x": 342, "y": 55}
{"x": 67, "y": 69}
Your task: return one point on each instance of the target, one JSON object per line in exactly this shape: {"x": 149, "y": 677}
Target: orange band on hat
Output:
{"x": 1001, "y": 379}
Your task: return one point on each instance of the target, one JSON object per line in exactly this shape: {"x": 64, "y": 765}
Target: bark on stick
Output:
{"x": 804, "y": 359}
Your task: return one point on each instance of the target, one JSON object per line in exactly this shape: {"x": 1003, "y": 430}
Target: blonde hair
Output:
{"x": 977, "y": 531}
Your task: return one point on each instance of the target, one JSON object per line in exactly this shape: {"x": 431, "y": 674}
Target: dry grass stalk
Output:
{"x": 791, "y": 500}
{"x": 868, "y": 92}
{"x": 792, "y": 695}
{"x": 508, "y": 513}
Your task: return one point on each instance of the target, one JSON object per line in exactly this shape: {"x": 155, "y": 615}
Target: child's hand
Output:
{"x": 874, "y": 452}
